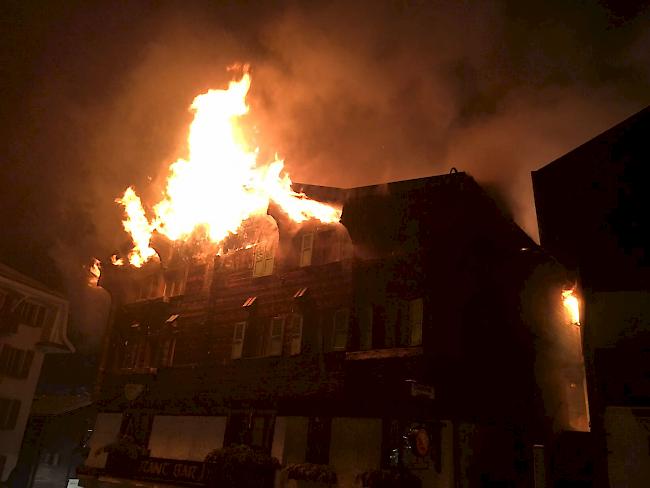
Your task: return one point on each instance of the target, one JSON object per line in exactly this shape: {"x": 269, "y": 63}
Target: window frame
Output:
{"x": 295, "y": 343}
{"x": 264, "y": 259}
{"x": 340, "y": 332}
{"x": 275, "y": 342}
{"x": 237, "y": 346}
{"x": 306, "y": 251}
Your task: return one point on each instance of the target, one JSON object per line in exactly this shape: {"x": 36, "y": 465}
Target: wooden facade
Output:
{"x": 423, "y": 307}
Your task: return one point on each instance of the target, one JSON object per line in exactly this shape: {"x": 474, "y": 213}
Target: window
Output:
{"x": 253, "y": 429}
{"x": 238, "y": 340}
{"x": 174, "y": 285}
{"x": 306, "y": 249}
{"x": 416, "y": 315}
{"x": 319, "y": 433}
{"x": 9, "y": 410}
{"x": 295, "y": 331}
{"x": 276, "y": 334}
{"x": 32, "y": 314}
{"x": 340, "y": 337}
{"x": 15, "y": 362}
{"x": 264, "y": 254}
{"x": 137, "y": 353}
{"x": 365, "y": 327}
{"x": 166, "y": 351}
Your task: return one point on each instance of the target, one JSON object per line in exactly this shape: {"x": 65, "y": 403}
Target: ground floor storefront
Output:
{"x": 442, "y": 453}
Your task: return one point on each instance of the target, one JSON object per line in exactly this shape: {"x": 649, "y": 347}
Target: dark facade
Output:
{"x": 425, "y": 311}
{"x": 592, "y": 213}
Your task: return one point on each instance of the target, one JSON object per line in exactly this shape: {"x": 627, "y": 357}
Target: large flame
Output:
{"x": 572, "y": 305}
{"x": 220, "y": 185}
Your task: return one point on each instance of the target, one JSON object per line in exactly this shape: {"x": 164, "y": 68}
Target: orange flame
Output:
{"x": 572, "y": 305}
{"x": 95, "y": 272}
{"x": 220, "y": 185}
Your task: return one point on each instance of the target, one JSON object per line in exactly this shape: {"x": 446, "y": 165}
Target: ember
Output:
{"x": 220, "y": 185}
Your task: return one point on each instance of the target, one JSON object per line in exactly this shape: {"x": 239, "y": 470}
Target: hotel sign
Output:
{"x": 186, "y": 472}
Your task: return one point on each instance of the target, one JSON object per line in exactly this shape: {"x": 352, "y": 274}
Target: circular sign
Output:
{"x": 422, "y": 443}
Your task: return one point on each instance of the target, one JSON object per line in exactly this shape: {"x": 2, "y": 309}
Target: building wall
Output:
{"x": 21, "y": 389}
{"x": 17, "y": 334}
{"x": 355, "y": 447}
{"x": 185, "y": 437}
{"x": 107, "y": 430}
{"x": 628, "y": 444}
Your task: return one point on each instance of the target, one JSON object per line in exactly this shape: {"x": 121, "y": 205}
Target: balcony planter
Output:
{"x": 389, "y": 478}
{"x": 240, "y": 467}
{"x": 309, "y": 475}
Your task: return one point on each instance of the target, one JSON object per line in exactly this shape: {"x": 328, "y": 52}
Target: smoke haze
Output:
{"x": 349, "y": 93}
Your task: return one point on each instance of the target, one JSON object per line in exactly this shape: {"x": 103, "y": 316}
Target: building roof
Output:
{"x": 59, "y": 404}
{"x": 17, "y": 276}
{"x": 591, "y": 206}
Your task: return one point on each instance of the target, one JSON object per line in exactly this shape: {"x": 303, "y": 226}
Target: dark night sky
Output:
{"x": 95, "y": 97}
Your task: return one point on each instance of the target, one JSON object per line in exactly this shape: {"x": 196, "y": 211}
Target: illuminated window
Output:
{"x": 239, "y": 333}
{"x": 264, "y": 255}
{"x": 306, "y": 249}
{"x": 340, "y": 336}
{"x": 295, "y": 328}
{"x": 276, "y": 333}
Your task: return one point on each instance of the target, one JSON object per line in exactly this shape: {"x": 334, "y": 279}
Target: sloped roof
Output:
{"x": 17, "y": 276}
{"x": 59, "y": 404}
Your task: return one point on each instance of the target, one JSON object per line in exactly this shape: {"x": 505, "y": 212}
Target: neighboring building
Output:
{"x": 33, "y": 321}
{"x": 425, "y": 315}
{"x": 592, "y": 212}
{"x": 55, "y": 441}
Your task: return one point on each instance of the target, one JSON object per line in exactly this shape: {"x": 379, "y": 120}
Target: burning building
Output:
{"x": 424, "y": 310}
{"x": 408, "y": 325}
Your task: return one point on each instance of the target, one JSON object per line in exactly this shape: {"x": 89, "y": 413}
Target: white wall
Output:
{"x": 20, "y": 389}
{"x": 107, "y": 428}
{"x": 290, "y": 439}
{"x": 184, "y": 437}
{"x": 355, "y": 447}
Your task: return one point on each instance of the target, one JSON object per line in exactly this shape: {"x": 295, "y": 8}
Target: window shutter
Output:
{"x": 4, "y": 359}
{"x": 306, "y": 249}
{"x": 365, "y": 327}
{"x": 238, "y": 340}
{"x": 296, "y": 334}
{"x": 416, "y": 315}
{"x": 13, "y": 414}
{"x": 340, "y": 339}
{"x": 28, "y": 358}
{"x": 276, "y": 333}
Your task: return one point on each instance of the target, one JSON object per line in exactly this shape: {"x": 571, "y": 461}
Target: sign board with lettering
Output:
{"x": 73, "y": 483}
{"x": 171, "y": 470}
{"x": 421, "y": 390}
